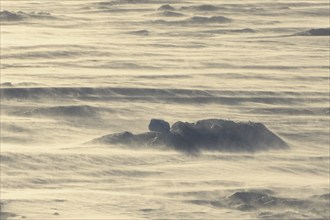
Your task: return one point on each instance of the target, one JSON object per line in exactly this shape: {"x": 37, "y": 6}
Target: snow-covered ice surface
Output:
{"x": 73, "y": 71}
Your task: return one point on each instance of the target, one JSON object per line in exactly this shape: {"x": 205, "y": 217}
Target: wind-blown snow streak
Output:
{"x": 7, "y": 16}
{"x": 155, "y": 94}
{"x": 196, "y": 20}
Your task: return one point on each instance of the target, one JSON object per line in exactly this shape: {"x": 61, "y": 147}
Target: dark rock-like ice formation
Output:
{"x": 11, "y": 16}
{"x": 140, "y": 32}
{"x": 159, "y": 125}
{"x": 316, "y": 32}
{"x": 209, "y": 134}
{"x": 270, "y": 205}
{"x": 201, "y": 8}
{"x": 166, "y": 8}
{"x": 170, "y": 14}
{"x": 213, "y": 19}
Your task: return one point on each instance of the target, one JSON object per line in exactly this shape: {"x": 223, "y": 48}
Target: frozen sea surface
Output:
{"x": 73, "y": 71}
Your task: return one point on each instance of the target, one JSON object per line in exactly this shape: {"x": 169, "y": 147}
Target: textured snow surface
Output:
{"x": 73, "y": 71}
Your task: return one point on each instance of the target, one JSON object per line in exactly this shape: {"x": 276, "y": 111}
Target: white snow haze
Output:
{"x": 164, "y": 109}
